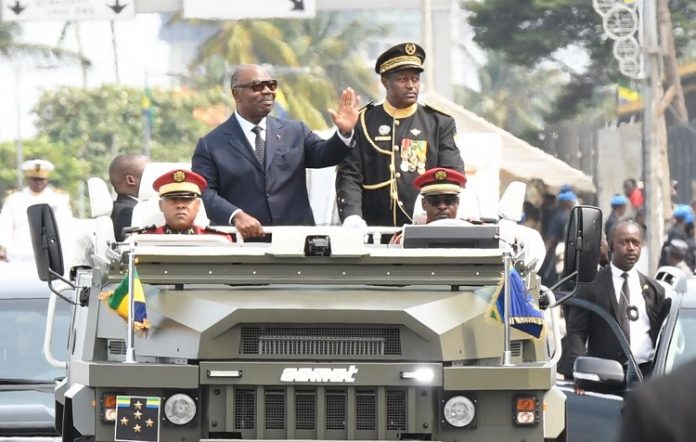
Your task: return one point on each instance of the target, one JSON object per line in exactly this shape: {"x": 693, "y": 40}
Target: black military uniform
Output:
{"x": 393, "y": 147}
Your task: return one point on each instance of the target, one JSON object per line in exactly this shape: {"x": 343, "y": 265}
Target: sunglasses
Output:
{"x": 259, "y": 86}
{"x": 436, "y": 200}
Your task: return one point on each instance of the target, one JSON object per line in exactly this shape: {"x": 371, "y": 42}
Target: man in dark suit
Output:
{"x": 255, "y": 164}
{"x": 125, "y": 173}
{"x": 396, "y": 141}
{"x": 662, "y": 409}
{"x": 636, "y": 301}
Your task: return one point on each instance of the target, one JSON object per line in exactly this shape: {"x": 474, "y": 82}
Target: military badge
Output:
{"x": 440, "y": 175}
{"x": 415, "y": 132}
{"x": 410, "y": 48}
{"x": 384, "y": 129}
{"x": 179, "y": 176}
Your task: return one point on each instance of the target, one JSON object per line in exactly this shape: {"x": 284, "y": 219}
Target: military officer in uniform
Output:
{"x": 396, "y": 141}
{"x": 180, "y": 200}
{"x": 15, "y": 239}
{"x": 439, "y": 188}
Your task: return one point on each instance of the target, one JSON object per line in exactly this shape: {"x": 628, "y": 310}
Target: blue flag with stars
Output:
{"x": 137, "y": 418}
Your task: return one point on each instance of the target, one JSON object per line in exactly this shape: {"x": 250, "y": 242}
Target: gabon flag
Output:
{"x": 119, "y": 301}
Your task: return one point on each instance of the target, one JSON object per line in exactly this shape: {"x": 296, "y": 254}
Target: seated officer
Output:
{"x": 439, "y": 188}
{"x": 180, "y": 200}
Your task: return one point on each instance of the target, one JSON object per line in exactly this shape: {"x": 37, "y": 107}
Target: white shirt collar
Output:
{"x": 247, "y": 125}
{"x": 617, "y": 272}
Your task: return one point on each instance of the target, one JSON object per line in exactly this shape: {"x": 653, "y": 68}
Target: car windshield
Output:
{"x": 22, "y": 328}
{"x": 682, "y": 346}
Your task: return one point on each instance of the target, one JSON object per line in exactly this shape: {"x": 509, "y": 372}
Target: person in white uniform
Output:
{"x": 15, "y": 239}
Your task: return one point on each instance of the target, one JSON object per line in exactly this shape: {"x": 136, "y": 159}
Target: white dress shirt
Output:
{"x": 641, "y": 344}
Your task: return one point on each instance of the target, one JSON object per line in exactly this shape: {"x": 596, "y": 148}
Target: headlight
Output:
{"x": 180, "y": 409}
{"x": 459, "y": 411}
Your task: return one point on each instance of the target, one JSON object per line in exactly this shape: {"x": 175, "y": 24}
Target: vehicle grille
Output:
{"x": 324, "y": 412}
{"x": 320, "y": 341}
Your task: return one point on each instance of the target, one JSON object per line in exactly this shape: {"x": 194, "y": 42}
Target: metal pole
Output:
{"x": 507, "y": 261}
{"x": 427, "y": 24}
{"x": 19, "y": 148}
{"x": 130, "y": 342}
{"x": 653, "y": 197}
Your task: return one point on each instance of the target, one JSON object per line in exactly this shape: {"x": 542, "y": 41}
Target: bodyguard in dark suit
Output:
{"x": 125, "y": 173}
{"x": 255, "y": 164}
{"x": 662, "y": 409}
{"x": 396, "y": 141}
{"x": 636, "y": 301}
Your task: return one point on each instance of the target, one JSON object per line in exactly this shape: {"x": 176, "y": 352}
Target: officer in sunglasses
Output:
{"x": 255, "y": 164}
{"x": 439, "y": 189}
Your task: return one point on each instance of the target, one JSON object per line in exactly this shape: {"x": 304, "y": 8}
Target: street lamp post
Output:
{"x": 19, "y": 147}
{"x": 652, "y": 161}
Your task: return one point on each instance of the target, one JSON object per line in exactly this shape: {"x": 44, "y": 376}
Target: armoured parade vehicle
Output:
{"x": 323, "y": 333}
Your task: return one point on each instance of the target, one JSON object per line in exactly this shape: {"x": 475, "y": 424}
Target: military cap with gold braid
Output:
{"x": 180, "y": 183}
{"x": 37, "y": 168}
{"x": 401, "y": 56}
{"x": 439, "y": 181}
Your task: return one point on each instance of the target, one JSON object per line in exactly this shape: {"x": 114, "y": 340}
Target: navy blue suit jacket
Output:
{"x": 275, "y": 193}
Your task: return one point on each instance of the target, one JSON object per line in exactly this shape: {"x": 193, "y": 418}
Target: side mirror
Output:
{"x": 599, "y": 375}
{"x": 45, "y": 241}
{"x": 582, "y": 243}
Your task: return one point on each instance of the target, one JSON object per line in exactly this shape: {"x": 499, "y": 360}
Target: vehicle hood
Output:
{"x": 26, "y": 409}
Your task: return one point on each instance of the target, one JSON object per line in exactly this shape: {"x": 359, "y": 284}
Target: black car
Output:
{"x": 26, "y": 378}
{"x": 595, "y": 416}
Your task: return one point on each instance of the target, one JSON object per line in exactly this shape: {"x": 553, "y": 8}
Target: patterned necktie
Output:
{"x": 259, "y": 145}
{"x": 624, "y": 300}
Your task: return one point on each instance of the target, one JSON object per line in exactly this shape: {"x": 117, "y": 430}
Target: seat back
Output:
{"x": 100, "y": 200}
{"x": 101, "y": 229}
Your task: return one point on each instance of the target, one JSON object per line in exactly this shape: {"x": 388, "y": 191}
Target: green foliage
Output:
{"x": 314, "y": 60}
{"x": 98, "y": 124}
{"x": 510, "y": 96}
{"x": 531, "y": 31}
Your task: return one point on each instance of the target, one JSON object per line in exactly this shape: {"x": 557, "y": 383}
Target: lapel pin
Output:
{"x": 278, "y": 136}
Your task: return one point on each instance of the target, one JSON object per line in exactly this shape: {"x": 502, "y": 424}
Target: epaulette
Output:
{"x": 439, "y": 111}
{"x": 367, "y": 107}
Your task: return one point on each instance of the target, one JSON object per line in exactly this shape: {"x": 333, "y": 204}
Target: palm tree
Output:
{"x": 512, "y": 97}
{"x": 313, "y": 60}
{"x": 12, "y": 48}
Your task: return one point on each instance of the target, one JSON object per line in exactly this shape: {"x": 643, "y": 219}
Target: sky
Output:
{"x": 141, "y": 55}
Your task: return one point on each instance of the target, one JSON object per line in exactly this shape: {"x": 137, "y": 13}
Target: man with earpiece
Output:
{"x": 636, "y": 301}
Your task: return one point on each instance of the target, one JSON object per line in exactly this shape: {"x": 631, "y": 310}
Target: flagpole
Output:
{"x": 507, "y": 261}
{"x": 130, "y": 350}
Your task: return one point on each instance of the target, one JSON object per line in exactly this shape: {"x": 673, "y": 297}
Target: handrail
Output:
{"x": 48, "y": 334}
{"x": 555, "y": 325}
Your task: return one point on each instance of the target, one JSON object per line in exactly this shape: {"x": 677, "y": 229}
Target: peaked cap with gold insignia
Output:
{"x": 401, "y": 56}
{"x": 37, "y": 168}
{"x": 181, "y": 183}
{"x": 439, "y": 180}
